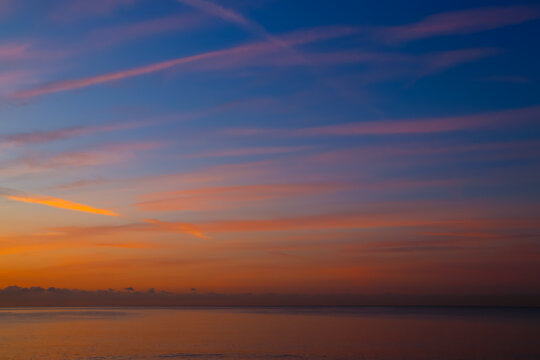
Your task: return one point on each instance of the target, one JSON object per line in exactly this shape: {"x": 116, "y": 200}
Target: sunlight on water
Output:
{"x": 276, "y": 333}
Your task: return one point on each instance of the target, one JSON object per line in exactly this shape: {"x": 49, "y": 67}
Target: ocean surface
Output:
{"x": 269, "y": 333}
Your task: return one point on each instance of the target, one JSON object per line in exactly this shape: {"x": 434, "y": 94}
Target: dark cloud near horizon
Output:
{"x": 15, "y": 296}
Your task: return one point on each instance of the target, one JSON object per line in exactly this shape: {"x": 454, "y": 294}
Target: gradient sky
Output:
{"x": 287, "y": 146}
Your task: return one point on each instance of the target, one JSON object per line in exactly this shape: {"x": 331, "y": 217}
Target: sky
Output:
{"x": 271, "y": 146}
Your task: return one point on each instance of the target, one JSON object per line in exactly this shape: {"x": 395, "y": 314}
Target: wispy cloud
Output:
{"x": 53, "y": 202}
{"x": 74, "y": 159}
{"x": 416, "y": 218}
{"x": 228, "y": 196}
{"x": 15, "y": 79}
{"x": 319, "y": 222}
{"x": 14, "y": 51}
{"x": 392, "y": 66}
{"x": 437, "y": 62}
{"x": 378, "y": 218}
{"x": 249, "y": 151}
{"x": 227, "y": 14}
{"x": 460, "y": 22}
{"x": 149, "y": 226}
{"x": 408, "y": 126}
{"x": 230, "y": 15}
{"x": 239, "y": 52}
{"x": 426, "y": 152}
{"x": 47, "y": 136}
{"x": 80, "y": 183}
{"x": 393, "y": 217}
{"x": 24, "y": 63}
{"x": 137, "y": 30}
{"x": 178, "y": 227}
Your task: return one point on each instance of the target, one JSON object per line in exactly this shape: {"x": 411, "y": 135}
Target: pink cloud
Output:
{"x": 11, "y": 52}
{"x": 410, "y": 126}
{"x": 460, "y": 22}
{"x": 98, "y": 156}
{"x": 418, "y": 65}
{"x": 430, "y": 125}
{"x": 414, "y": 67}
{"x": 239, "y": 52}
{"x": 398, "y": 152}
{"x": 227, "y": 14}
{"x": 448, "y": 59}
{"x": 80, "y": 184}
{"x": 287, "y": 58}
{"x": 232, "y": 16}
{"x": 228, "y": 173}
{"x": 135, "y": 31}
{"x": 38, "y": 137}
{"x": 14, "y": 79}
{"x": 249, "y": 151}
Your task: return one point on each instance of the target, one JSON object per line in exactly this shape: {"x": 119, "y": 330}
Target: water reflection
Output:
{"x": 269, "y": 333}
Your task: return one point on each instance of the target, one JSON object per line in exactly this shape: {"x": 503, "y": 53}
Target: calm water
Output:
{"x": 277, "y": 333}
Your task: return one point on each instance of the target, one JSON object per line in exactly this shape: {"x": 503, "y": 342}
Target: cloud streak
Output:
{"x": 136, "y": 31}
{"x": 74, "y": 159}
{"x": 460, "y": 22}
{"x": 177, "y": 227}
{"x": 237, "y": 52}
{"x": 145, "y": 226}
{"x": 249, "y": 151}
{"x": 14, "y": 51}
{"x": 40, "y": 137}
{"x": 53, "y": 202}
{"x": 228, "y": 196}
{"x": 227, "y": 14}
{"x": 410, "y": 126}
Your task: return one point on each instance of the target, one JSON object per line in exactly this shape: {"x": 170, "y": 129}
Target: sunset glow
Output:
{"x": 295, "y": 148}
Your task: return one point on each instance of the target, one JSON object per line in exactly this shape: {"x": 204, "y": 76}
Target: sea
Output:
{"x": 217, "y": 333}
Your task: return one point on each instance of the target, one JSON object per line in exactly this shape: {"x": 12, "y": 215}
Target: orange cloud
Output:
{"x": 227, "y": 196}
{"x": 151, "y": 226}
{"x": 177, "y": 227}
{"x": 57, "y": 203}
{"x": 52, "y": 244}
{"x": 320, "y": 222}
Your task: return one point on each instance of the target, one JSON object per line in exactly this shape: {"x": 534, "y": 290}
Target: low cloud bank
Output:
{"x": 14, "y": 296}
